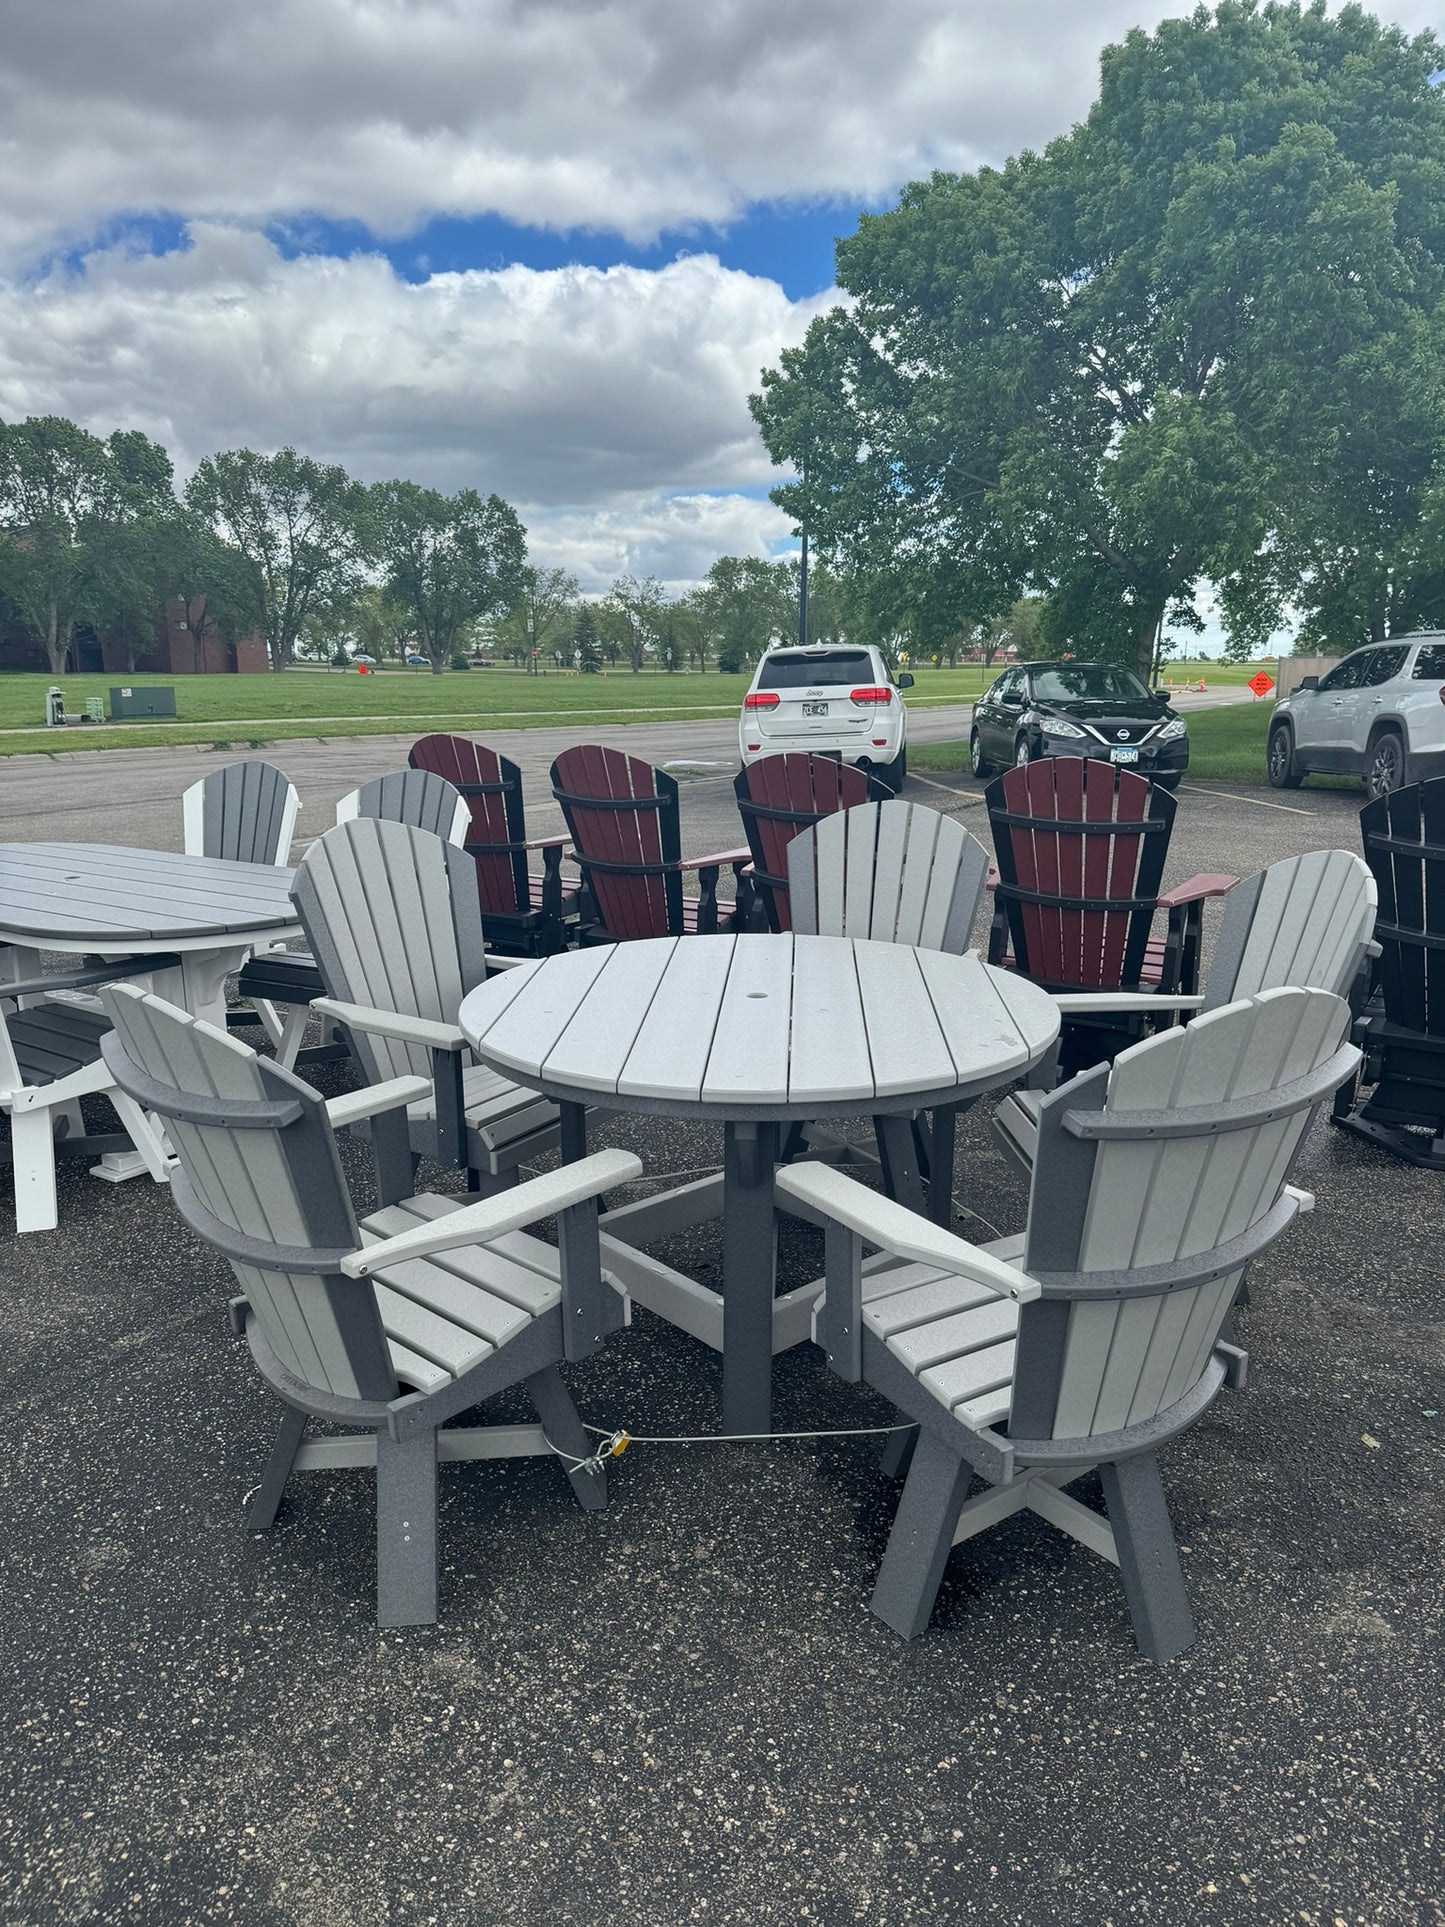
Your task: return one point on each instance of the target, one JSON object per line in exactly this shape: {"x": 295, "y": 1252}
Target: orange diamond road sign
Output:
{"x": 1261, "y": 684}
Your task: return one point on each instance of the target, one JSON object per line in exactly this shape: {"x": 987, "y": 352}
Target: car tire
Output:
{"x": 977, "y": 761}
{"x": 1170, "y": 783}
{"x": 1022, "y": 752}
{"x": 1279, "y": 763}
{"x": 895, "y": 772}
{"x": 1385, "y": 763}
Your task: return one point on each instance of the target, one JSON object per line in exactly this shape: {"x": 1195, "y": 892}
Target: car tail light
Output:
{"x": 880, "y": 742}
{"x": 762, "y": 699}
{"x": 865, "y": 697}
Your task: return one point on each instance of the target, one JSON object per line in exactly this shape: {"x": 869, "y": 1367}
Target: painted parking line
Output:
{"x": 1290, "y": 809}
{"x": 967, "y": 796}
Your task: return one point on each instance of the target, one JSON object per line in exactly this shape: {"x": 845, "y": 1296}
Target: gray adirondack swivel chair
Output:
{"x": 897, "y": 873}
{"x": 369, "y": 1326}
{"x": 1307, "y": 921}
{"x": 1095, "y": 1338}
{"x": 290, "y": 977}
{"x": 391, "y": 917}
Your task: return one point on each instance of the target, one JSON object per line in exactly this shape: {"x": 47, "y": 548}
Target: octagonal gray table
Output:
{"x": 752, "y": 1032}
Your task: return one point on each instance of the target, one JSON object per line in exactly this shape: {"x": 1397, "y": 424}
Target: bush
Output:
{"x": 460, "y": 662}
{"x": 340, "y": 659}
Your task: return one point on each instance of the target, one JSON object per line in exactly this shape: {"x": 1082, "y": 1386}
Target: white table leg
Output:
{"x": 198, "y": 982}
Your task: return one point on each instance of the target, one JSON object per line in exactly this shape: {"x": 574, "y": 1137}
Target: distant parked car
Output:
{"x": 840, "y": 701}
{"x": 1379, "y": 713}
{"x": 414, "y": 661}
{"x": 370, "y": 661}
{"x": 1093, "y": 709}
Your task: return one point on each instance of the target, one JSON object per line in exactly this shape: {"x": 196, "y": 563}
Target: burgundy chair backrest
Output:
{"x": 1080, "y": 847}
{"x": 622, "y": 815}
{"x": 781, "y": 796}
{"x": 496, "y": 840}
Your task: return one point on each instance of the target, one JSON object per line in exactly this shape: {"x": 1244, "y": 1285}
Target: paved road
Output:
{"x": 133, "y": 796}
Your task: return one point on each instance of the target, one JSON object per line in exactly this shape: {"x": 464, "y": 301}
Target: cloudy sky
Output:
{"x": 538, "y": 246}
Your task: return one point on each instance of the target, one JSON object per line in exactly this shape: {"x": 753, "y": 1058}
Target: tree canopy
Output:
{"x": 447, "y": 559}
{"x": 1199, "y": 336}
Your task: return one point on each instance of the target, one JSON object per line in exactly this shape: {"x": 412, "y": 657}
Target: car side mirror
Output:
{"x": 1309, "y": 682}
{"x": 905, "y": 681}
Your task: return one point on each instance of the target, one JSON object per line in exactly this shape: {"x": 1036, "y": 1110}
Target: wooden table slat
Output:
{"x": 521, "y": 1038}
{"x": 976, "y": 1016}
{"x": 830, "y": 1056}
{"x": 750, "y": 1045}
{"x": 909, "y": 1050}
{"x": 593, "y": 1049}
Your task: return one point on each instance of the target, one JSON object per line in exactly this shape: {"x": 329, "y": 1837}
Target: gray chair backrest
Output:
{"x": 1305, "y": 920}
{"x": 260, "y": 1180}
{"x": 416, "y": 796}
{"x": 1172, "y": 1157}
{"x": 895, "y": 872}
{"x": 244, "y": 812}
{"x": 391, "y": 917}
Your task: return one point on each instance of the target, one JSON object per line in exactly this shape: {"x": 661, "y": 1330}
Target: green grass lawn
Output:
{"x": 247, "y": 710}
{"x": 1225, "y": 745}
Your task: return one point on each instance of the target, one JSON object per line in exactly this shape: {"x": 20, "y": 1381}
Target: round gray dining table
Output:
{"x": 109, "y": 901}
{"x": 756, "y": 1032}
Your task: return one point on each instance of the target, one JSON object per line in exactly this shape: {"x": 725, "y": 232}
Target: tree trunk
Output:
{"x": 1146, "y": 641}
{"x": 54, "y": 647}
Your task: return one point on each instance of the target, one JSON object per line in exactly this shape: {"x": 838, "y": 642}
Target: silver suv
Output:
{"x": 1379, "y": 713}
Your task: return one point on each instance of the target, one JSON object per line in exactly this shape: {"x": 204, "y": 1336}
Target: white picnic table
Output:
{"x": 754, "y": 1032}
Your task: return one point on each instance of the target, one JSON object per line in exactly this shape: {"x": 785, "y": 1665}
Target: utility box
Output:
{"x": 95, "y": 709}
{"x": 54, "y": 708}
{"x": 126, "y": 703}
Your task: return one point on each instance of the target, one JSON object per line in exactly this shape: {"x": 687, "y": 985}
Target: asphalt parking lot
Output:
{"x": 681, "y": 1710}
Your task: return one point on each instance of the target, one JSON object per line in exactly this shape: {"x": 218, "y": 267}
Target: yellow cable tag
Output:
{"x": 618, "y": 1444}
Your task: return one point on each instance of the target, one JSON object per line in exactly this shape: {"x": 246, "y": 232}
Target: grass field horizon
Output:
{"x": 312, "y": 703}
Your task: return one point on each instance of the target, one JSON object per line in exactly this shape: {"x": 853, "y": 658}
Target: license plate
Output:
{"x": 1123, "y": 755}
{"x": 815, "y": 709}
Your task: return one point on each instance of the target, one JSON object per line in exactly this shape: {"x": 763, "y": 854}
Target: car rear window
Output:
{"x": 1430, "y": 663}
{"x": 797, "y": 671}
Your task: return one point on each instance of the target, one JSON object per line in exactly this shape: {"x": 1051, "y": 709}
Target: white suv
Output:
{"x": 1379, "y": 713}
{"x": 832, "y": 697}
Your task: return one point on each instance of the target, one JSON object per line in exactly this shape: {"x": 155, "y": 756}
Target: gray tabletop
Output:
{"x": 67, "y": 896}
{"x": 760, "y": 1027}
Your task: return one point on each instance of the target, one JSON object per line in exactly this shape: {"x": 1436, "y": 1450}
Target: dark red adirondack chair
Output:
{"x": 778, "y": 798}
{"x": 1081, "y": 847}
{"x": 623, "y": 818}
{"x": 524, "y": 914}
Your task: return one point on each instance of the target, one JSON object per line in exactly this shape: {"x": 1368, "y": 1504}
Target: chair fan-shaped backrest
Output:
{"x": 622, "y": 816}
{"x": 1306, "y": 920}
{"x": 1168, "y": 1158}
{"x": 895, "y": 872}
{"x": 260, "y": 1179}
{"x": 414, "y": 796}
{"x": 245, "y": 812}
{"x": 390, "y": 914}
{"x": 779, "y": 796}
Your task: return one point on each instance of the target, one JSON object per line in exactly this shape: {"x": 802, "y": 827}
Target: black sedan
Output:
{"x": 1078, "y": 709}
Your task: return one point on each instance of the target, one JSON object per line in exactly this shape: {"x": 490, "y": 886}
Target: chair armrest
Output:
{"x": 716, "y": 861}
{"x": 891, "y": 1227}
{"x": 492, "y": 1218}
{"x": 1075, "y": 1003}
{"x": 1208, "y": 884}
{"x": 561, "y": 842}
{"x": 392, "y": 1023}
{"x": 352, "y": 1106}
{"x": 991, "y": 877}
{"x": 109, "y": 970}
{"x": 494, "y": 961}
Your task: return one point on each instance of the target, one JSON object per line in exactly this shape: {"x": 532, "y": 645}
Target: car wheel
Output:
{"x": 893, "y": 773}
{"x": 1279, "y": 759}
{"x": 1170, "y": 783}
{"x": 977, "y": 761}
{"x": 1022, "y": 753}
{"x": 1386, "y": 771}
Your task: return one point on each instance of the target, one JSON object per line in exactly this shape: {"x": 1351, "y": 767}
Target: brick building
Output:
{"x": 178, "y": 650}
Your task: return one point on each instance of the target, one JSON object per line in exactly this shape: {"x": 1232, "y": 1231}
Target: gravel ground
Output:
{"x": 682, "y": 1710}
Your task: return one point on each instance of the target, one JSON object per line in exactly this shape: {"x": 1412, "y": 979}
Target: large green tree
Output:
{"x": 299, "y": 534}
{"x": 542, "y": 610}
{"x": 59, "y": 487}
{"x": 744, "y": 605}
{"x": 1198, "y": 336}
{"x": 448, "y": 559}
